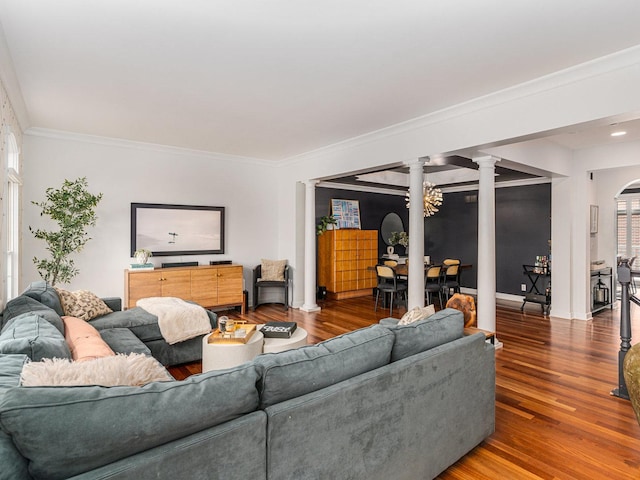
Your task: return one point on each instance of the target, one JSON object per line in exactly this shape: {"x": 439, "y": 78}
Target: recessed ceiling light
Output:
{"x": 618, "y": 133}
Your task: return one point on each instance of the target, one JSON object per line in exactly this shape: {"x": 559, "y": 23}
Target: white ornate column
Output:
{"x": 486, "y": 307}
{"x": 416, "y": 234}
{"x": 310, "y": 304}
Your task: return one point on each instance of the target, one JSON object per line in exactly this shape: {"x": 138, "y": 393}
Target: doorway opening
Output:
{"x": 628, "y": 228}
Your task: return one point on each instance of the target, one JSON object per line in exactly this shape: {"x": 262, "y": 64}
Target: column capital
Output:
{"x": 485, "y": 160}
{"x": 415, "y": 162}
{"x": 311, "y": 183}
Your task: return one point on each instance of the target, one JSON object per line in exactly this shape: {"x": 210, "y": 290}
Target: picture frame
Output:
{"x": 593, "y": 219}
{"x": 346, "y": 213}
{"x": 168, "y": 230}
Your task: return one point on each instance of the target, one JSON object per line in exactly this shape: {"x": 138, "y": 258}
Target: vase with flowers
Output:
{"x": 399, "y": 238}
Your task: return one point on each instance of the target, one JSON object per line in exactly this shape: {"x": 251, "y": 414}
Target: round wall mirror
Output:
{"x": 390, "y": 223}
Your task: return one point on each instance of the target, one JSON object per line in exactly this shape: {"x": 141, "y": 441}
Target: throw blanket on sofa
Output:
{"x": 178, "y": 320}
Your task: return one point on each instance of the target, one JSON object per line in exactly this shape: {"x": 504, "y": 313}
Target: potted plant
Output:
{"x": 399, "y": 238}
{"x": 326, "y": 223}
{"x": 142, "y": 256}
{"x": 73, "y": 208}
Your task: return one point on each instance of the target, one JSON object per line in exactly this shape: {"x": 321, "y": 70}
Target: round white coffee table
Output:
{"x": 275, "y": 345}
{"x": 217, "y": 356}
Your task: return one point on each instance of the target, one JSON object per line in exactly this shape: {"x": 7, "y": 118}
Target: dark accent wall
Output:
{"x": 523, "y": 227}
{"x": 373, "y": 208}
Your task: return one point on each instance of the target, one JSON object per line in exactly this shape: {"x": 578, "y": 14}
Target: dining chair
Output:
{"x": 451, "y": 280}
{"x": 433, "y": 283}
{"x": 388, "y": 284}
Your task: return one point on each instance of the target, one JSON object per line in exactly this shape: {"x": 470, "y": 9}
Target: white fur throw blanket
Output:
{"x": 178, "y": 320}
{"x": 134, "y": 370}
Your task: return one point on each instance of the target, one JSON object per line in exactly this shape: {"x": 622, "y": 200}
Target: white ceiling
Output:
{"x": 272, "y": 79}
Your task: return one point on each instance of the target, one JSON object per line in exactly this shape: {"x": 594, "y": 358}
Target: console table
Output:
{"x": 538, "y": 293}
{"x": 207, "y": 285}
{"x": 601, "y": 289}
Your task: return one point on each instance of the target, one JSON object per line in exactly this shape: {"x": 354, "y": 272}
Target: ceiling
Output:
{"x": 448, "y": 172}
{"x": 275, "y": 79}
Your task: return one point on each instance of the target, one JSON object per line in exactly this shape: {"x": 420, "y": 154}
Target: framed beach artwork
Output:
{"x": 177, "y": 229}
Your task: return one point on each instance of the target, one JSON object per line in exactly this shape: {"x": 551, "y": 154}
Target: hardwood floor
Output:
{"x": 555, "y": 417}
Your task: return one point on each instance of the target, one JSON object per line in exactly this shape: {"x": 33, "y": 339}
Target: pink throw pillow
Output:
{"x": 84, "y": 340}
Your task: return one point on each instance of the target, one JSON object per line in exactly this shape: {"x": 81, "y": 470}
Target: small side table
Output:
{"x": 218, "y": 356}
{"x": 490, "y": 336}
{"x": 275, "y": 345}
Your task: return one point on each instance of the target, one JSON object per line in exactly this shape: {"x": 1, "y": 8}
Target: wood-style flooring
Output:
{"x": 555, "y": 417}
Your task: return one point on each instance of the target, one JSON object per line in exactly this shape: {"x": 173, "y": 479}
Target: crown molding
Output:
{"x": 401, "y": 193}
{"x": 135, "y": 145}
{"x": 360, "y": 188}
{"x": 593, "y": 68}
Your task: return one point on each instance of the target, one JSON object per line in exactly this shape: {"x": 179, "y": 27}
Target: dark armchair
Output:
{"x": 259, "y": 283}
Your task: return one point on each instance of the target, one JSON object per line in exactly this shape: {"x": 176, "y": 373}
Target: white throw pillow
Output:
{"x": 134, "y": 369}
{"x": 417, "y": 313}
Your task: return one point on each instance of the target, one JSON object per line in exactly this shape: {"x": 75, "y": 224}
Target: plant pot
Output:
{"x": 142, "y": 258}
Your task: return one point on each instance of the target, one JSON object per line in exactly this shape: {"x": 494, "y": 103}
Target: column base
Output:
{"x": 310, "y": 308}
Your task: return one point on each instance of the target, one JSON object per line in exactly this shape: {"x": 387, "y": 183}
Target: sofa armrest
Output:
{"x": 114, "y": 303}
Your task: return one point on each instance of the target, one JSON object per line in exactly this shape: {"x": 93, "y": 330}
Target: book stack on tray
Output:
{"x": 141, "y": 266}
{"x": 279, "y": 329}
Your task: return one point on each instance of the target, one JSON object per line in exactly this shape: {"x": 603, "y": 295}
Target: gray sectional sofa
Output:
{"x": 38, "y": 331}
{"x": 387, "y": 401}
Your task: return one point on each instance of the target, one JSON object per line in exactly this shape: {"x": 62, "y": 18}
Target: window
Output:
{"x": 11, "y": 224}
{"x": 629, "y": 226}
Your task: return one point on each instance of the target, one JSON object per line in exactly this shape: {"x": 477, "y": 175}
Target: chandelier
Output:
{"x": 431, "y": 198}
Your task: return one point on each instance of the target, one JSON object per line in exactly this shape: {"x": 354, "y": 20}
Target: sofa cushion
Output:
{"x": 10, "y": 368}
{"x": 23, "y": 304}
{"x": 134, "y": 370}
{"x": 122, "y": 340}
{"x": 82, "y": 304}
{"x": 45, "y": 294}
{"x": 13, "y": 464}
{"x": 34, "y": 336}
{"x": 84, "y": 341}
{"x": 143, "y": 324}
{"x": 442, "y": 327}
{"x": 95, "y": 422}
{"x": 306, "y": 369}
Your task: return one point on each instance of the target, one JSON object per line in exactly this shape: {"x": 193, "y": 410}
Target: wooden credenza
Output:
{"x": 207, "y": 285}
{"x": 344, "y": 257}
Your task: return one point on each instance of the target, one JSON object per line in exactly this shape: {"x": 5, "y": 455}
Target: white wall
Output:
{"x": 592, "y": 92}
{"x": 127, "y": 172}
